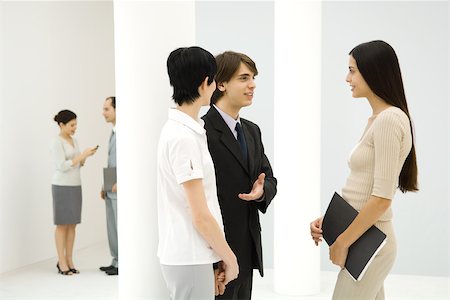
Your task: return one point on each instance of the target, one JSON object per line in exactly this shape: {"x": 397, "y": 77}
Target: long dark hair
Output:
{"x": 378, "y": 64}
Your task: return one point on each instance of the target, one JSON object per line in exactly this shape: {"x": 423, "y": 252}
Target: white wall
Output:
{"x": 56, "y": 55}
{"x": 418, "y": 31}
{"x": 2, "y": 125}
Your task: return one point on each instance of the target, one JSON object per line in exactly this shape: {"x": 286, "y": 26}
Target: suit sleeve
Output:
{"x": 270, "y": 182}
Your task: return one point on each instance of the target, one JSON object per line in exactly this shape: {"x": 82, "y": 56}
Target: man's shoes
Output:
{"x": 114, "y": 271}
{"x": 104, "y": 269}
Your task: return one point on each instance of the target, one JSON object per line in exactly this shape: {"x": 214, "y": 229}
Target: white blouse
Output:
{"x": 63, "y": 153}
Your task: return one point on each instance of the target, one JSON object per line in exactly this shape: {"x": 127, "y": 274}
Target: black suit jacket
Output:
{"x": 234, "y": 176}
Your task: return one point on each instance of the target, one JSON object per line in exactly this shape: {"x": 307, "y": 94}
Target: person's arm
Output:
{"x": 208, "y": 228}
{"x": 270, "y": 185}
{"x": 59, "y": 157}
{"x": 368, "y": 215}
{"x": 265, "y": 187}
{"x": 81, "y": 158}
{"x": 316, "y": 230}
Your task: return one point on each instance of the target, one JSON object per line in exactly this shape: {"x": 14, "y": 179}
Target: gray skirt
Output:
{"x": 66, "y": 204}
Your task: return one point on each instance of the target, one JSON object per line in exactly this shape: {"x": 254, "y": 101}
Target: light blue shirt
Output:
{"x": 229, "y": 120}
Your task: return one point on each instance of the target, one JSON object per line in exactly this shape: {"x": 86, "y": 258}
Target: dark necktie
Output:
{"x": 241, "y": 140}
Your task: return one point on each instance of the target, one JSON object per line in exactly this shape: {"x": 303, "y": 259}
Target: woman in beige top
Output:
{"x": 383, "y": 160}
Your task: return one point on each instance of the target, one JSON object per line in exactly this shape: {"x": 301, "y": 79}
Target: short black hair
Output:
{"x": 113, "y": 101}
{"x": 187, "y": 68}
{"x": 64, "y": 116}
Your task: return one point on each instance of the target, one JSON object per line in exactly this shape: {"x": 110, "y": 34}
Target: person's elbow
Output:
{"x": 64, "y": 167}
{"x": 382, "y": 204}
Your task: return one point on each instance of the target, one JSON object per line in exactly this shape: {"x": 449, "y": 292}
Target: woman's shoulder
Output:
{"x": 56, "y": 143}
{"x": 394, "y": 113}
{"x": 56, "y": 140}
{"x": 393, "y": 116}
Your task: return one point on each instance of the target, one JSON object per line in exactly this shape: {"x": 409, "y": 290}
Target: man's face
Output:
{"x": 109, "y": 112}
{"x": 238, "y": 91}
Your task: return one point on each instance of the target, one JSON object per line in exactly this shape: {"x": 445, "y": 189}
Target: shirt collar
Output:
{"x": 228, "y": 119}
{"x": 186, "y": 120}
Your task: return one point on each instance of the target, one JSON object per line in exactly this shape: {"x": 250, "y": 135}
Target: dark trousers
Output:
{"x": 241, "y": 290}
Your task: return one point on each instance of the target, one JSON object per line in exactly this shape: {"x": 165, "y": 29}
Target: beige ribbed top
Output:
{"x": 376, "y": 161}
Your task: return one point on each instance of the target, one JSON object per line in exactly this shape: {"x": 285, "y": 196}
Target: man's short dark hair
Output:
{"x": 187, "y": 68}
{"x": 113, "y": 101}
{"x": 228, "y": 64}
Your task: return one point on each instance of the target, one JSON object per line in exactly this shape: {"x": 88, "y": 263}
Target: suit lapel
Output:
{"x": 226, "y": 136}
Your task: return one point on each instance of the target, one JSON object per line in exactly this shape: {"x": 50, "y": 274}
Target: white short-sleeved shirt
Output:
{"x": 182, "y": 156}
{"x": 63, "y": 153}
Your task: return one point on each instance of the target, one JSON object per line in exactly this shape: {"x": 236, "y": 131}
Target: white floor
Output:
{"x": 40, "y": 281}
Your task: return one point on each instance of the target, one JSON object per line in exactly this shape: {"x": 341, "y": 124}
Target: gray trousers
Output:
{"x": 189, "y": 282}
{"x": 111, "y": 223}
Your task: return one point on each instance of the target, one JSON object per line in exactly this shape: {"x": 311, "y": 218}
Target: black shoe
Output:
{"x": 114, "y": 271}
{"x": 68, "y": 272}
{"x": 104, "y": 269}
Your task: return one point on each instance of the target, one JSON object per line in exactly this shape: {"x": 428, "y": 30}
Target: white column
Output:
{"x": 3, "y": 202}
{"x": 297, "y": 145}
{"x": 145, "y": 34}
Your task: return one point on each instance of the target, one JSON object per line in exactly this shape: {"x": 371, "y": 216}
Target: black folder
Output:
{"x": 109, "y": 178}
{"x": 337, "y": 218}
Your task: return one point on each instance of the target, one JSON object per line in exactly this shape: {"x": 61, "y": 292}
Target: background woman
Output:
{"x": 383, "y": 160}
{"x": 66, "y": 188}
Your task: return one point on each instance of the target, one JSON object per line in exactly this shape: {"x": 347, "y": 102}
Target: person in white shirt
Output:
{"x": 66, "y": 188}
{"x": 191, "y": 236}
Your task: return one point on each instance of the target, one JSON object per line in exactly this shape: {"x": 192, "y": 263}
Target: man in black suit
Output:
{"x": 245, "y": 182}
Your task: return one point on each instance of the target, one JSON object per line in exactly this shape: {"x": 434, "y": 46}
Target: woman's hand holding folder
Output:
{"x": 316, "y": 230}
{"x": 338, "y": 253}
